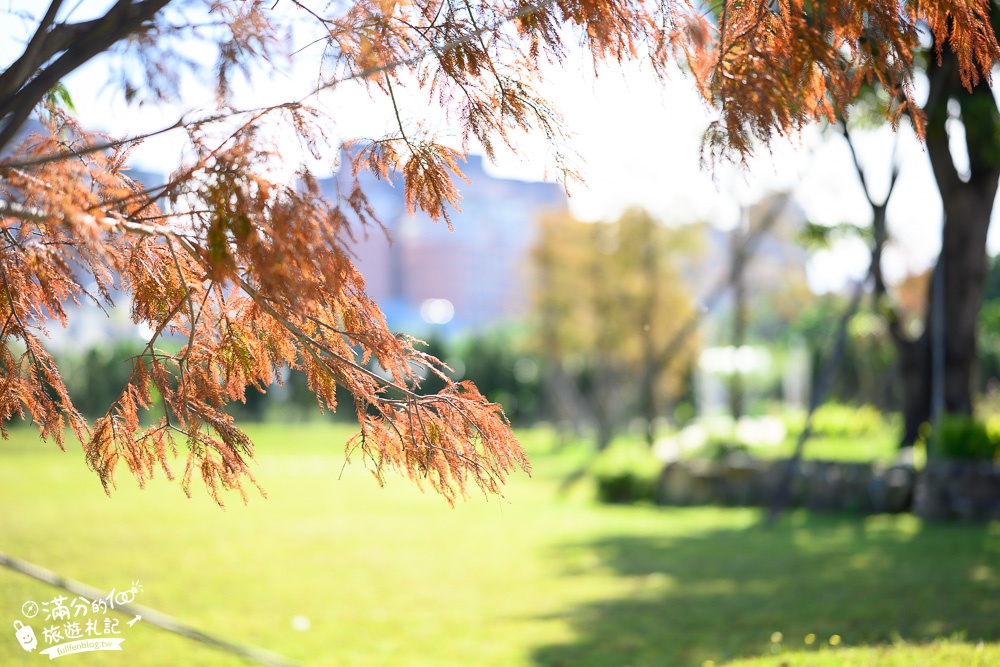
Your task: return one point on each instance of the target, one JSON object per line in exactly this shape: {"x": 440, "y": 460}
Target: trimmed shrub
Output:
{"x": 626, "y": 472}
{"x": 961, "y": 437}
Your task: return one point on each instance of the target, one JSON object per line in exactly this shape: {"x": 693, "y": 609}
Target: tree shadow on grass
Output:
{"x": 720, "y": 595}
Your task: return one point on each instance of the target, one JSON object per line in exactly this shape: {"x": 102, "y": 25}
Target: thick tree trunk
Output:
{"x": 967, "y": 200}
{"x": 964, "y": 258}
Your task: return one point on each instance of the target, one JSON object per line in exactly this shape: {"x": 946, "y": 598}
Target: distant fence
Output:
{"x": 942, "y": 490}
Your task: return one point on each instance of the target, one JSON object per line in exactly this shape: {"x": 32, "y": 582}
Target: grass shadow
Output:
{"x": 719, "y": 595}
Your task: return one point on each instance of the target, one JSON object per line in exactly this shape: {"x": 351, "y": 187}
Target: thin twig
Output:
{"x": 149, "y": 615}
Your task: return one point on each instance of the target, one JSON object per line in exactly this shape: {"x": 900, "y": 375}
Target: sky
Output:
{"x": 637, "y": 140}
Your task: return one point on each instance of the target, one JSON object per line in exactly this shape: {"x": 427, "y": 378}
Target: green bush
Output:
{"x": 961, "y": 437}
{"x": 838, "y": 420}
{"x": 626, "y": 472}
{"x": 721, "y": 449}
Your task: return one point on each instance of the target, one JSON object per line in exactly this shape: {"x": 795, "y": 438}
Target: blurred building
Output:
{"x": 427, "y": 277}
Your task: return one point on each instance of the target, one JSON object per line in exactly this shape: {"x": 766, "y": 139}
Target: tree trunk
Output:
{"x": 604, "y": 404}
{"x": 647, "y": 379}
{"x": 915, "y": 374}
{"x": 967, "y": 214}
{"x": 967, "y": 199}
{"x": 736, "y": 391}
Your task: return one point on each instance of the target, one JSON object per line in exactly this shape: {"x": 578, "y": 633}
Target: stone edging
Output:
{"x": 945, "y": 489}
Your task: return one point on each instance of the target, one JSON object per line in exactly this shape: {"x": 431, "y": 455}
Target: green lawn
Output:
{"x": 945, "y": 653}
{"x": 395, "y": 577}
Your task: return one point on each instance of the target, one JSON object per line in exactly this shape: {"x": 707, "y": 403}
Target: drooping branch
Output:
{"x": 34, "y": 55}
{"x": 76, "y": 44}
{"x": 265, "y": 279}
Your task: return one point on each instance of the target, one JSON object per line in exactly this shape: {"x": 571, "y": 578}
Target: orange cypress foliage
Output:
{"x": 257, "y": 275}
{"x": 774, "y": 67}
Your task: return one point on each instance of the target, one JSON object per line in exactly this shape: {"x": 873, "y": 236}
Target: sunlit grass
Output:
{"x": 941, "y": 653}
{"x": 395, "y": 577}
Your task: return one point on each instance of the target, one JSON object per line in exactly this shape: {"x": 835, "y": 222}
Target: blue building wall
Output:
{"x": 481, "y": 267}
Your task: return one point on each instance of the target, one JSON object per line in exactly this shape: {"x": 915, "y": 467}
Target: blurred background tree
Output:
{"x": 610, "y": 298}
